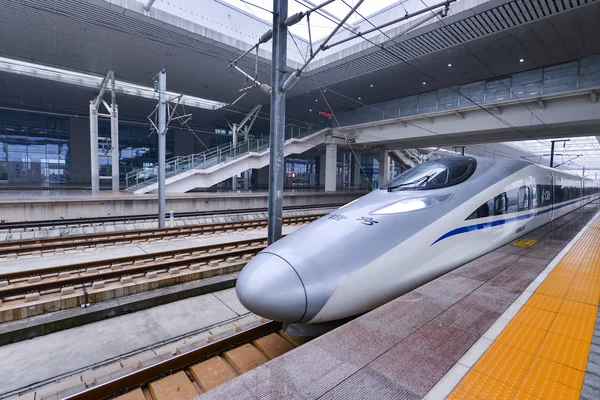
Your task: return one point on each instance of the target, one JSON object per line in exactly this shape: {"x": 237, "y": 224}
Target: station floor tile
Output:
{"x": 543, "y": 352}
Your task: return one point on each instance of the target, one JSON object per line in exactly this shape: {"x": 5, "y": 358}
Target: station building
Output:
{"x": 490, "y": 71}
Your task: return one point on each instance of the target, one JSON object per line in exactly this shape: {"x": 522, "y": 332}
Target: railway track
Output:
{"x": 191, "y": 373}
{"x": 103, "y": 220}
{"x": 30, "y": 285}
{"x": 98, "y": 239}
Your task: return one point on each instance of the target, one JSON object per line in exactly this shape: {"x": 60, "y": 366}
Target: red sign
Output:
{"x": 326, "y": 114}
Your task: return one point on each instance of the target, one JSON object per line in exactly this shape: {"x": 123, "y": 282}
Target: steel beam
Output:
{"x": 95, "y": 172}
{"x": 162, "y": 144}
{"x": 277, "y": 131}
{"x": 114, "y": 136}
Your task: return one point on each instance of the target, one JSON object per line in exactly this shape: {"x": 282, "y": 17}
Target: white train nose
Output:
{"x": 268, "y": 286}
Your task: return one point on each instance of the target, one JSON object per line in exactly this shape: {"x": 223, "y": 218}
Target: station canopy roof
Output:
{"x": 321, "y": 26}
{"x": 573, "y": 155}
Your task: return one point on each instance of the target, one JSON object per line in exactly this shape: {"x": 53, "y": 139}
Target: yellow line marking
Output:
{"x": 524, "y": 242}
{"x": 542, "y": 353}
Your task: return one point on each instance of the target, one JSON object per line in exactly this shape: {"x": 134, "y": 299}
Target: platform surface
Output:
{"x": 33, "y": 196}
{"x": 67, "y": 352}
{"x": 545, "y": 348}
{"x": 402, "y": 349}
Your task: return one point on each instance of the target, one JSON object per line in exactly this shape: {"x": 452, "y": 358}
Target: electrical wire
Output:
{"x": 506, "y": 155}
{"x": 490, "y": 71}
{"x": 257, "y": 6}
{"x": 458, "y": 92}
{"x": 408, "y": 123}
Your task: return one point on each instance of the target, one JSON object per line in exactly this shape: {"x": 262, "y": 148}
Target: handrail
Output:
{"x": 213, "y": 156}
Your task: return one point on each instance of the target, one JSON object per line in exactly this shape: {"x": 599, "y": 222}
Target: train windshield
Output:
{"x": 434, "y": 174}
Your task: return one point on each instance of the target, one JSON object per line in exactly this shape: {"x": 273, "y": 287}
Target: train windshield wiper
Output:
{"x": 425, "y": 178}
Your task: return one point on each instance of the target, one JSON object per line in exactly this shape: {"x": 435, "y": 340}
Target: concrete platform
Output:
{"x": 33, "y": 362}
{"x": 31, "y": 207}
{"x": 404, "y": 348}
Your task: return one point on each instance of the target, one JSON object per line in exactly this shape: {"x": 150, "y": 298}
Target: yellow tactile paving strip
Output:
{"x": 542, "y": 353}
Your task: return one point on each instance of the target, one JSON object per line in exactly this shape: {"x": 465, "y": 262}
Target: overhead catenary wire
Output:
{"x": 492, "y": 72}
{"x": 319, "y": 87}
{"x": 382, "y": 47}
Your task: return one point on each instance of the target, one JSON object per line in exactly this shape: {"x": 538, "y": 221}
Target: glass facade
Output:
{"x": 300, "y": 172}
{"x": 137, "y": 148}
{"x": 34, "y": 149}
{"x": 581, "y": 74}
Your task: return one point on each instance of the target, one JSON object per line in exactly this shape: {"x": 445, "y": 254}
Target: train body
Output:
{"x": 425, "y": 223}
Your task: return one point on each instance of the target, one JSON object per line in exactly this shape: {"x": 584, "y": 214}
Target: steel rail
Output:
{"x": 26, "y": 246}
{"x": 101, "y": 220}
{"x": 17, "y": 275}
{"x": 135, "y": 379}
{"x": 82, "y": 278}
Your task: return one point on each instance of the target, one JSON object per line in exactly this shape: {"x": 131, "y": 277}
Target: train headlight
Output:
{"x": 412, "y": 204}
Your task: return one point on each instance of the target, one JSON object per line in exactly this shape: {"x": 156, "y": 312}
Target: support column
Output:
{"x": 330, "y": 167}
{"x": 384, "y": 167}
{"x": 277, "y": 131}
{"x": 95, "y": 172}
{"x": 114, "y": 136}
{"x": 234, "y": 134}
{"x": 162, "y": 145}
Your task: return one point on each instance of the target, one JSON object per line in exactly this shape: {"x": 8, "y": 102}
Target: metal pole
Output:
{"x": 247, "y": 172}
{"x": 114, "y": 136}
{"x": 278, "y": 66}
{"x": 162, "y": 144}
{"x": 95, "y": 173}
{"x": 234, "y": 131}
{"x": 552, "y": 156}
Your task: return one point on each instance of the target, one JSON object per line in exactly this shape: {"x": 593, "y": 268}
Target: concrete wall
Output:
{"x": 79, "y": 151}
{"x": 39, "y": 209}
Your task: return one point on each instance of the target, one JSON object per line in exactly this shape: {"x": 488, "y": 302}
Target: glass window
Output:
{"x": 560, "y": 78}
{"x": 408, "y": 105}
{"x": 523, "y": 198}
{"x": 427, "y": 102}
{"x": 497, "y": 90}
{"x": 448, "y": 98}
{"x": 434, "y": 174}
{"x": 589, "y": 72}
{"x": 472, "y": 93}
{"x": 525, "y": 84}
{"x": 500, "y": 204}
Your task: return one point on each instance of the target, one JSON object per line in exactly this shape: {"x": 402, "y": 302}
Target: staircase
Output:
{"x": 215, "y": 165}
{"x": 406, "y": 159}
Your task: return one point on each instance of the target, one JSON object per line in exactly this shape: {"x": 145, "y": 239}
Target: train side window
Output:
{"x": 545, "y": 195}
{"x": 535, "y": 201}
{"x": 500, "y": 204}
{"x": 523, "y": 198}
{"x": 558, "y": 194}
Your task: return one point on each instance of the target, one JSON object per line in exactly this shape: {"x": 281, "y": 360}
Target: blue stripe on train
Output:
{"x": 491, "y": 224}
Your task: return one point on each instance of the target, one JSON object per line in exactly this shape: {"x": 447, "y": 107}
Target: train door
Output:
{"x": 548, "y": 196}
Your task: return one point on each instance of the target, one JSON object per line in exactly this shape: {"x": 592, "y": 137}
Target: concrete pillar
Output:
{"x": 330, "y": 167}
{"x": 384, "y": 167}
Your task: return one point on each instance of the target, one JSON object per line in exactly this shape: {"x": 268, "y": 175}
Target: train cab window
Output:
{"x": 434, "y": 174}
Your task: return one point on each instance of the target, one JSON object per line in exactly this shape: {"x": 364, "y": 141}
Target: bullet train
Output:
{"x": 426, "y": 222}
